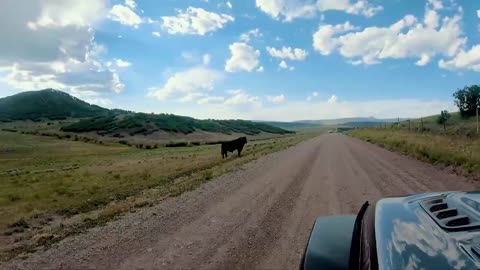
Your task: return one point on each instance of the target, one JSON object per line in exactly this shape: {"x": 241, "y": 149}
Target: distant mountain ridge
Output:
{"x": 350, "y": 120}
{"x": 48, "y": 103}
{"x": 341, "y": 122}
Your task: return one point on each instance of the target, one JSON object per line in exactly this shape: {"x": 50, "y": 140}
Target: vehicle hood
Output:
{"x": 410, "y": 236}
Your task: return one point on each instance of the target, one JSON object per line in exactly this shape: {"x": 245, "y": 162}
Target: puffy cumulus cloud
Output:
{"x": 50, "y": 44}
{"x": 229, "y": 4}
{"x": 406, "y": 38}
{"x": 463, "y": 60}
{"x": 125, "y": 14}
{"x": 67, "y": 13}
{"x": 276, "y": 99}
{"x": 195, "y": 21}
{"x": 324, "y": 41}
{"x": 292, "y": 9}
{"x": 195, "y": 82}
{"x": 156, "y": 34}
{"x": 478, "y": 13}
{"x": 288, "y": 53}
{"x": 247, "y": 36}
{"x": 244, "y": 58}
{"x": 287, "y": 9}
{"x": 260, "y": 69}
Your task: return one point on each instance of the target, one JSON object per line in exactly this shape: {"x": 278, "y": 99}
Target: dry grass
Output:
{"x": 456, "y": 151}
{"x": 60, "y": 187}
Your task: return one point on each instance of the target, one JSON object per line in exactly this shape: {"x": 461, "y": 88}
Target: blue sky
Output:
{"x": 251, "y": 59}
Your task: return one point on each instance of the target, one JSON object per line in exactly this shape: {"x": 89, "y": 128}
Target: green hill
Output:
{"x": 51, "y": 104}
{"x": 145, "y": 124}
{"x": 46, "y": 104}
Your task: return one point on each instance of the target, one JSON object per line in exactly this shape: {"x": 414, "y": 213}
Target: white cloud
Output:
{"x": 211, "y": 100}
{"x": 244, "y": 58}
{"x": 195, "y": 21}
{"x": 157, "y": 34}
{"x": 122, "y": 63}
{"x": 283, "y": 64}
{"x": 276, "y": 99}
{"x": 240, "y": 97}
{"x": 333, "y": 99}
{"x": 61, "y": 14}
{"x": 125, "y": 15}
{"x": 436, "y": 4}
{"x": 431, "y": 18}
{"x": 194, "y": 80}
{"x": 407, "y": 38}
{"x": 324, "y": 41}
{"x": 190, "y": 97}
{"x": 463, "y": 60}
{"x": 229, "y": 4}
{"x": 361, "y": 7}
{"x": 131, "y": 4}
{"x": 206, "y": 58}
{"x": 288, "y": 53}
{"x": 254, "y": 33}
{"x": 292, "y": 9}
{"x": 55, "y": 47}
{"x": 260, "y": 69}
{"x": 478, "y": 13}
{"x": 288, "y": 10}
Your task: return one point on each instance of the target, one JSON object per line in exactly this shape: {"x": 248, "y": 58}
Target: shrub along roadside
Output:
{"x": 459, "y": 152}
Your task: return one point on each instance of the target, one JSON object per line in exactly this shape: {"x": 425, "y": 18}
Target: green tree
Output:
{"x": 443, "y": 118}
{"x": 466, "y": 100}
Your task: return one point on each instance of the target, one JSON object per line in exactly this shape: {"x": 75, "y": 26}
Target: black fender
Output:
{"x": 329, "y": 243}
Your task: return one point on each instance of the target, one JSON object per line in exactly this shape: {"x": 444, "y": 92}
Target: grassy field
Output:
{"x": 434, "y": 147}
{"x": 455, "y": 126}
{"x": 44, "y": 180}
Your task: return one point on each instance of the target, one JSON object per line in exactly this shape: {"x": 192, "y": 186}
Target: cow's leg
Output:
{"x": 240, "y": 151}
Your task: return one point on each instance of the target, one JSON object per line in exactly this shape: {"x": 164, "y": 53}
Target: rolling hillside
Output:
{"x": 45, "y": 104}
{"x": 146, "y": 124}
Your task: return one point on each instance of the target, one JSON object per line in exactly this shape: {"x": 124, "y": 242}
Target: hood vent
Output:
{"x": 448, "y": 218}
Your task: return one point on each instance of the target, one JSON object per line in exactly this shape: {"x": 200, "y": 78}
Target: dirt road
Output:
{"x": 256, "y": 218}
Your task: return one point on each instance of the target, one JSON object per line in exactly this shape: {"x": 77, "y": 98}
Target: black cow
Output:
{"x": 233, "y": 145}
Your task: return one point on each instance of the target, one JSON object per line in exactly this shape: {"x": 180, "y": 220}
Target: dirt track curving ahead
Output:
{"x": 256, "y": 218}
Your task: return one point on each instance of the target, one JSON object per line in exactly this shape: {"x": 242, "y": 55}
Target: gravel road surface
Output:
{"x": 258, "y": 217}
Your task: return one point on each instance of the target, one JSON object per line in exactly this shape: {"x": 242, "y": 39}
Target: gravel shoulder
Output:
{"x": 257, "y": 217}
